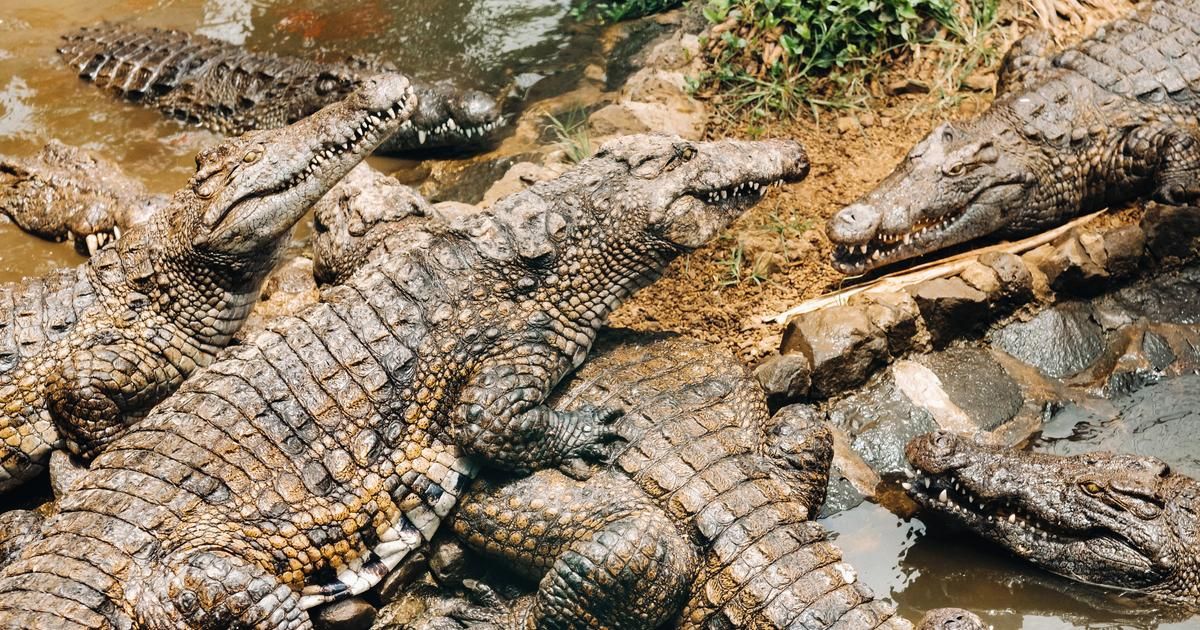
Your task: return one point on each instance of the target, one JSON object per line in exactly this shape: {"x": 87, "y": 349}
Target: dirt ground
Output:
{"x": 777, "y": 255}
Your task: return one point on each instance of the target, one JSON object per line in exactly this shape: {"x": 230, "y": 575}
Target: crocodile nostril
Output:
{"x": 944, "y": 442}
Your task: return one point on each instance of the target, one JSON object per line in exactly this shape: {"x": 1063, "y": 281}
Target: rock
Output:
{"x": 1123, "y": 249}
{"x": 448, "y": 561}
{"x": 906, "y": 86}
{"x": 348, "y": 614}
{"x": 977, "y": 385}
{"x": 846, "y": 124}
{"x": 1170, "y": 231}
{"x": 951, "y": 308}
{"x": 405, "y": 573}
{"x": 1059, "y": 341}
{"x": 518, "y": 177}
{"x": 841, "y": 344}
{"x": 650, "y": 85}
{"x": 1070, "y": 264}
{"x": 631, "y": 117}
{"x": 866, "y": 119}
{"x": 674, "y": 53}
{"x": 593, "y": 72}
{"x": 881, "y": 420}
{"x": 1016, "y": 283}
{"x": 897, "y": 315}
{"x": 981, "y": 277}
{"x": 785, "y": 377}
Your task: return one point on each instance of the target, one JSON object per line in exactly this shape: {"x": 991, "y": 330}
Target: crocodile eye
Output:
{"x": 252, "y": 155}
{"x": 956, "y": 169}
{"x": 1092, "y": 488}
{"x": 688, "y": 152}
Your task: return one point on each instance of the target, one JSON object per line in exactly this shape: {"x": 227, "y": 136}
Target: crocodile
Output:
{"x": 88, "y": 351}
{"x": 66, "y": 193}
{"x": 1110, "y": 519}
{"x": 1112, "y": 119}
{"x": 681, "y": 506}
{"x": 300, "y": 467}
{"x": 232, "y": 90}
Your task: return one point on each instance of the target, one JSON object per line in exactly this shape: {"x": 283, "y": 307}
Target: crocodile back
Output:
{"x": 1152, "y": 55}
{"x": 202, "y": 80}
{"x": 696, "y": 431}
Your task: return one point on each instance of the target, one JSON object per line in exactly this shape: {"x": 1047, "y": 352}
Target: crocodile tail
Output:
{"x": 138, "y": 64}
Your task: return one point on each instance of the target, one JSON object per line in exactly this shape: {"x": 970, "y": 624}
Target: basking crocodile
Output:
{"x": 232, "y": 90}
{"x": 1114, "y": 118}
{"x": 1115, "y": 520}
{"x": 706, "y": 505}
{"x": 301, "y": 467}
{"x": 85, "y": 352}
{"x": 66, "y": 193}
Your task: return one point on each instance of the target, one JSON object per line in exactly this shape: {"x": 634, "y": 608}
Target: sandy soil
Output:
{"x": 710, "y": 296}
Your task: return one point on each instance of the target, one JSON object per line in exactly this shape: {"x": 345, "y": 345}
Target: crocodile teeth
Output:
{"x": 944, "y": 496}
{"x": 906, "y": 485}
{"x": 1012, "y": 518}
{"x": 92, "y": 244}
{"x": 421, "y": 136}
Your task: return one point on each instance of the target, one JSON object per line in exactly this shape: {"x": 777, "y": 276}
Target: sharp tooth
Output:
{"x": 421, "y": 136}
{"x": 926, "y": 482}
{"x": 906, "y": 485}
{"x": 92, "y": 245}
{"x": 117, "y": 231}
{"x": 451, "y": 124}
{"x": 1012, "y": 518}
{"x": 944, "y": 497}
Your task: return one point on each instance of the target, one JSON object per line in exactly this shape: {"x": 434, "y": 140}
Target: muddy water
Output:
{"x": 923, "y": 565}
{"x": 491, "y": 44}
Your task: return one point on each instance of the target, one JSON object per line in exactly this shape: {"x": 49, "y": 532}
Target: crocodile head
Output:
{"x": 682, "y": 193}
{"x": 1114, "y": 520}
{"x": 963, "y": 181}
{"x": 362, "y": 210}
{"x": 447, "y": 116}
{"x": 248, "y": 192}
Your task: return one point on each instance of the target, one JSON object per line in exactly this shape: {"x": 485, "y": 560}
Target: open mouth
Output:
{"x": 367, "y": 132}
{"x": 451, "y": 126}
{"x": 995, "y": 517}
{"x": 885, "y": 248}
{"x": 93, "y": 242}
{"x": 745, "y": 191}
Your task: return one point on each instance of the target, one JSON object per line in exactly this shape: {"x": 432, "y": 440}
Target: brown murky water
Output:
{"x": 489, "y": 44}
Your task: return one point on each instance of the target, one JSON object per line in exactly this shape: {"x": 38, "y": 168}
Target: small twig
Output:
{"x": 929, "y": 271}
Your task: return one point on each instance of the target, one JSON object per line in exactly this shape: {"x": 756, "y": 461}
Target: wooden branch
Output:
{"x": 929, "y": 271}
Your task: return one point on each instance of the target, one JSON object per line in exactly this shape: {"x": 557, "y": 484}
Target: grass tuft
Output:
{"x": 571, "y": 132}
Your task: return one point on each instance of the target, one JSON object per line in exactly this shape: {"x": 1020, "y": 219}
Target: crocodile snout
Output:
{"x": 855, "y": 223}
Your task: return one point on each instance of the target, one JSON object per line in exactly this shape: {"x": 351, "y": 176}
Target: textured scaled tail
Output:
{"x": 138, "y": 64}
{"x": 773, "y": 570}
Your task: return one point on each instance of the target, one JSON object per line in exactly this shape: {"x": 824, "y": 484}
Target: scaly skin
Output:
{"x": 1114, "y": 118}
{"x": 66, "y": 193}
{"x": 702, "y": 520}
{"x": 229, "y": 89}
{"x": 1115, "y": 520}
{"x": 301, "y": 467}
{"x": 86, "y": 352}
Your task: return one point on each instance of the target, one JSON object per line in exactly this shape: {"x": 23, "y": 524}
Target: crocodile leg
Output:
{"x": 92, "y": 393}
{"x": 1028, "y": 58}
{"x": 501, "y": 419}
{"x": 617, "y": 562}
{"x": 1178, "y": 182}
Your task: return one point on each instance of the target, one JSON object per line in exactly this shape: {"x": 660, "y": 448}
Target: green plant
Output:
{"x": 781, "y": 54}
{"x": 571, "y": 131}
{"x": 615, "y": 11}
{"x": 736, "y": 270}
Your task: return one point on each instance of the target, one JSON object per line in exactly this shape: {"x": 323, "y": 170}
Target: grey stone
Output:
{"x": 841, "y": 344}
{"x": 1171, "y": 231}
{"x": 977, "y": 384}
{"x": 787, "y": 376}
{"x": 1016, "y": 283}
{"x": 1123, "y": 248}
{"x": 349, "y": 614}
{"x": 951, "y": 308}
{"x": 1059, "y": 341}
{"x": 448, "y": 561}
